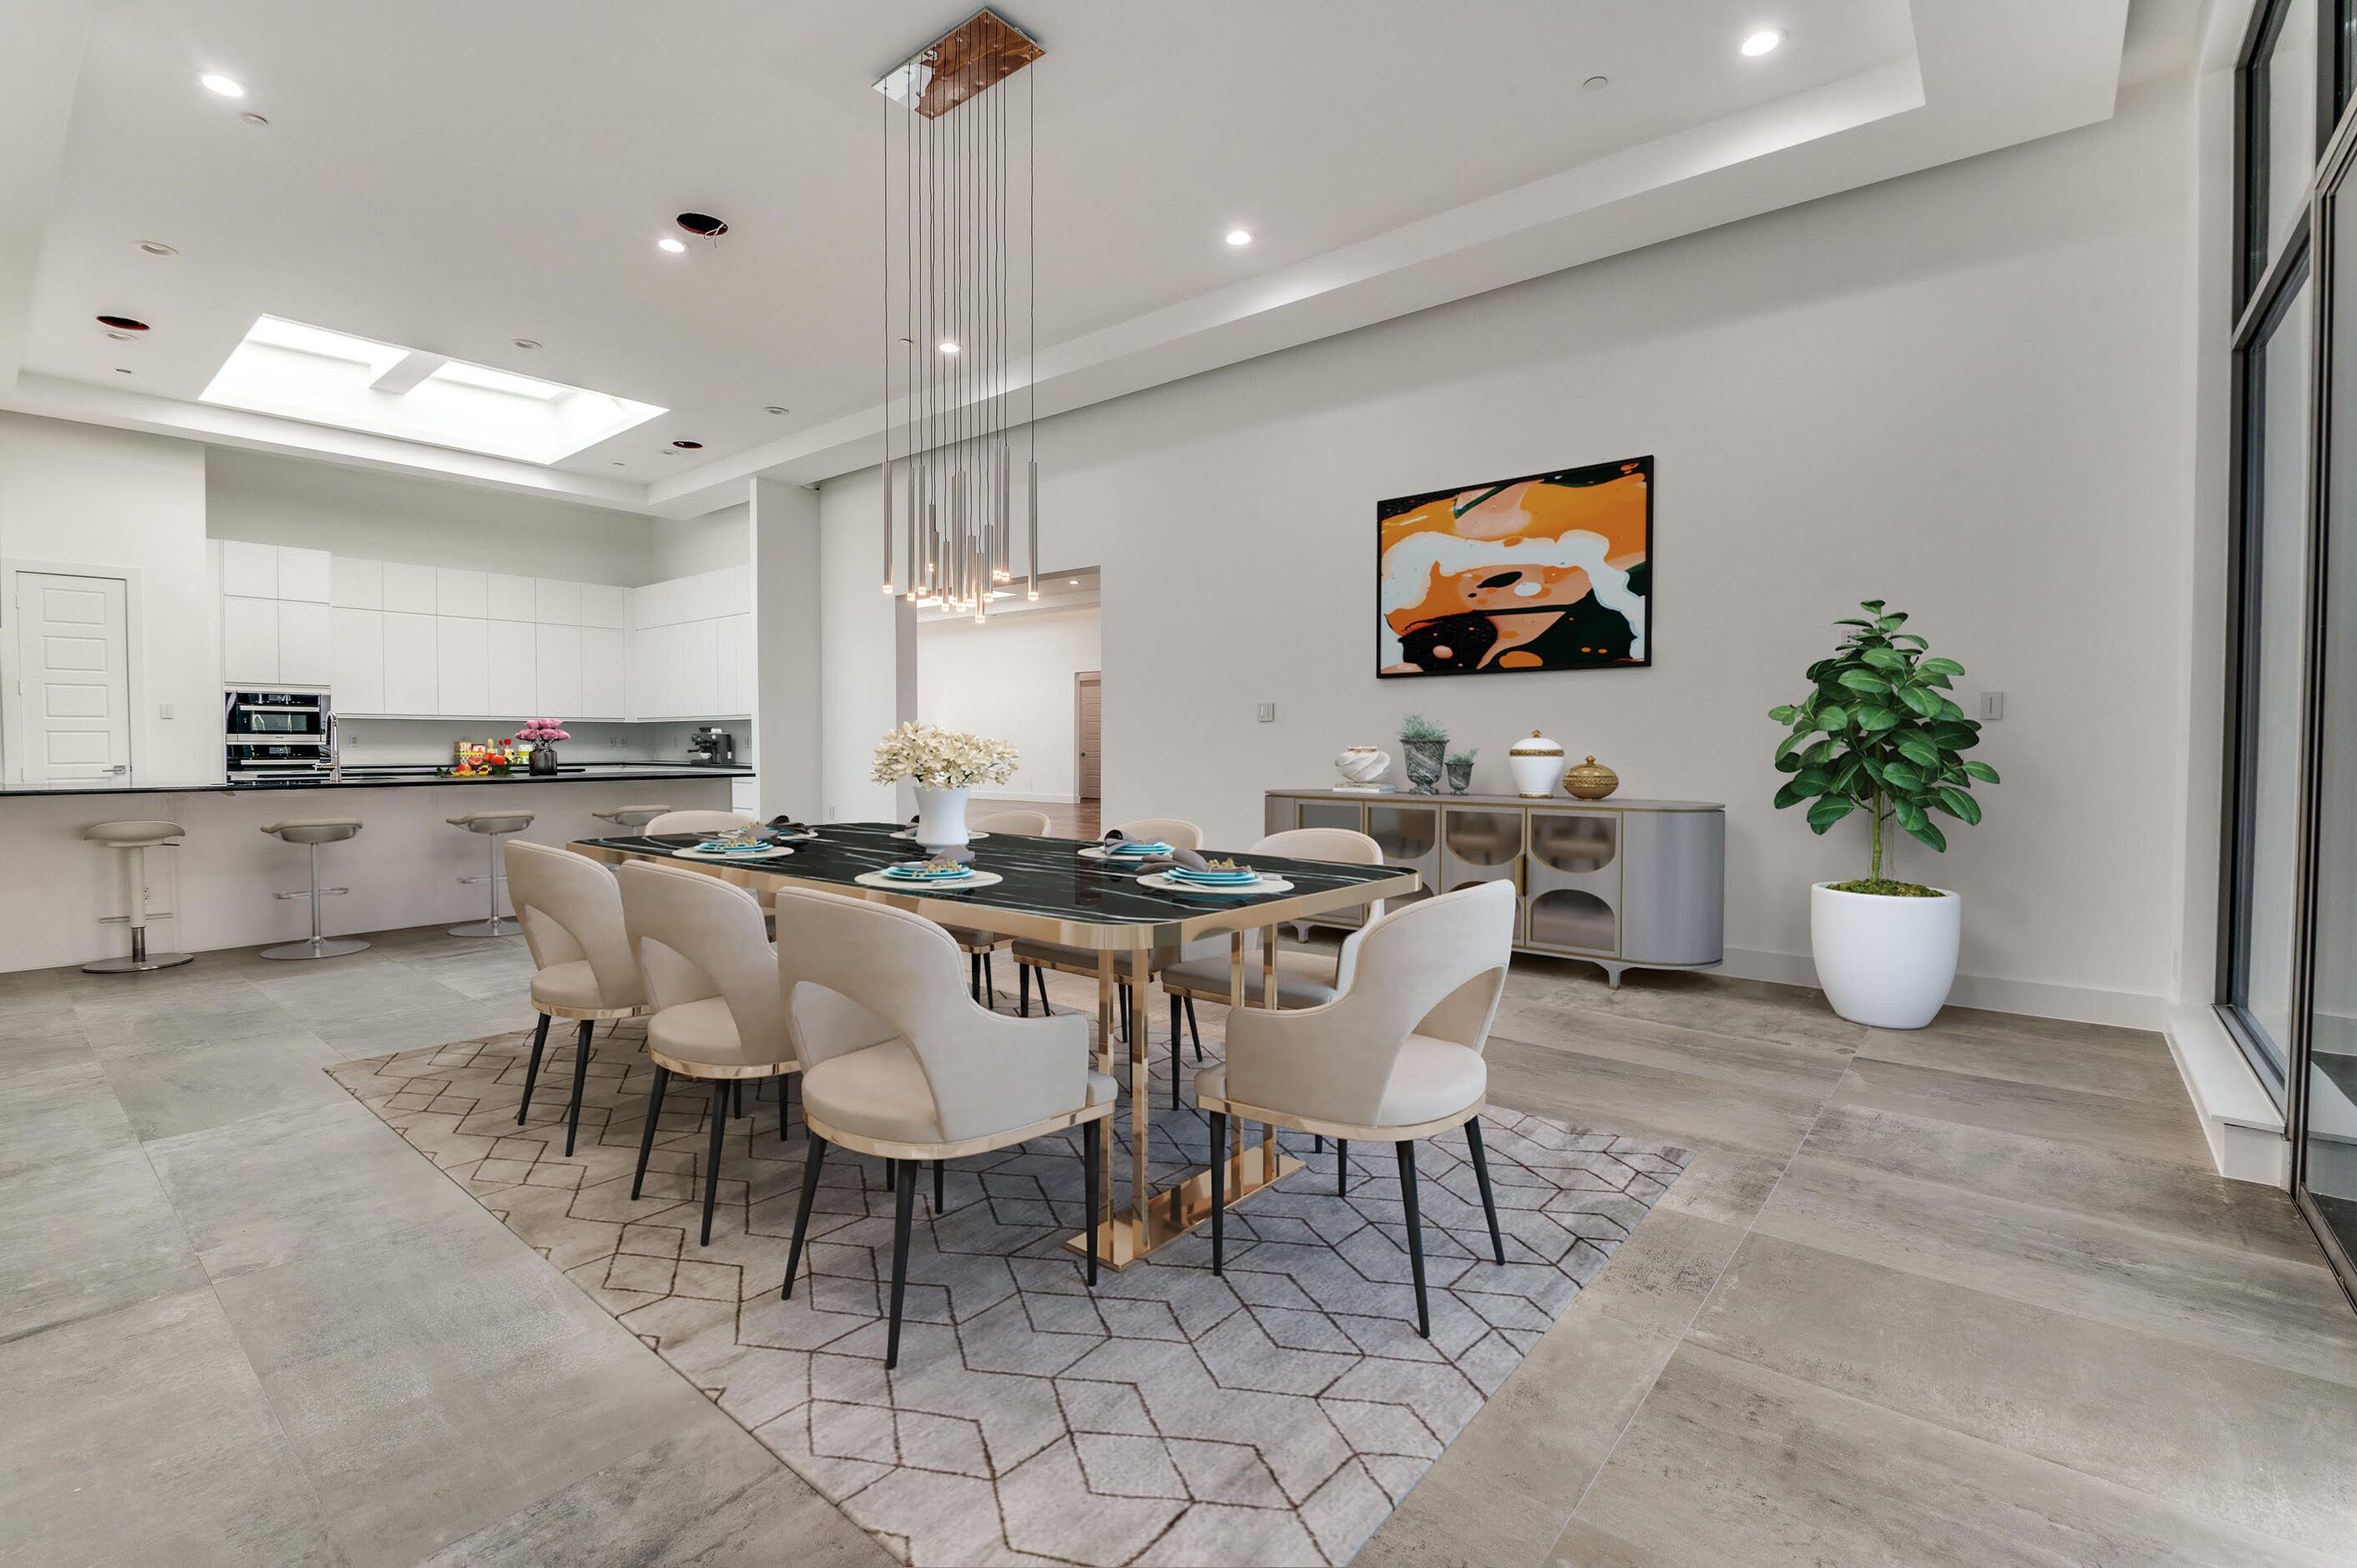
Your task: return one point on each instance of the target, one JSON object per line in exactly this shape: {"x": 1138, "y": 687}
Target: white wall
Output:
{"x": 685, "y": 546}
{"x": 78, "y": 495}
{"x": 1966, "y": 392}
{"x": 1011, "y": 679}
{"x": 787, "y": 657}
{"x": 390, "y": 517}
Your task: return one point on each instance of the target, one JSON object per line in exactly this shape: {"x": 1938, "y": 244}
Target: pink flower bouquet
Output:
{"x": 542, "y": 732}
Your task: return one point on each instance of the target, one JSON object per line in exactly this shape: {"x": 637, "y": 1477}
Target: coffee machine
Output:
{"x": 709, "y": 747}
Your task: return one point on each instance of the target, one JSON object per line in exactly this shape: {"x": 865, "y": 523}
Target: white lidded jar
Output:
{"x": 1536, "y": 763}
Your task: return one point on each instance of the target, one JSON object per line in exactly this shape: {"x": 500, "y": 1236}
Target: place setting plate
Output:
{"x": 752, "y": 856}
{"x": 1123, "y": 855}
{"x": 1164, "y": 883}
{"x": 966, "y": 884}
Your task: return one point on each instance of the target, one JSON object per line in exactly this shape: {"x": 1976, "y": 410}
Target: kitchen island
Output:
{"x": 215, "y": 890}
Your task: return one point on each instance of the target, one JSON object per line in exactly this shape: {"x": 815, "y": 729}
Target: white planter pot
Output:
{"x": 941, "y": 818}
{"x": 1885, "y": 962}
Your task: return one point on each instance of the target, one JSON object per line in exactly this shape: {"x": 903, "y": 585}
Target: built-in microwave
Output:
{"x": 287, "y": 733}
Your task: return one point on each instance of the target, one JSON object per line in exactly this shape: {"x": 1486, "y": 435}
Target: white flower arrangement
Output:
{"x": 936, "y": 758}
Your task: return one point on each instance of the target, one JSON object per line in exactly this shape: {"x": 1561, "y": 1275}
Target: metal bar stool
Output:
{"x": 629, "y": 818}
{"x": 493, "y": 826}
{"x": 315, "y": 831}
{"x": 137, "y": 838}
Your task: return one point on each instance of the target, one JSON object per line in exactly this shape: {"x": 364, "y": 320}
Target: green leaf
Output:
{"x": 1900, "y": 776}
{"x": 1943, "y": 667}
{"x": 1867, "y": 624}
{"x": 1828, "y": 812}
{"x": 1876, "y": 720}
{"x": 1910, "y": 639}
{"x": 1918, "y": 750}
{"x": 1832, "y": 716}
{"x": 1924, "y": 702}
{"x": 1958, "y": 804}
{"x": 1910, "y": 815}
{"x": 1789, "y": 762}
{"x": 1783, "y": 713}
{"x": 1883, "y": 658}
{"x": 1863, "y": 681}
{"x": 1929, "y": 834}
{"x": 1872, "y": 607}
{"x": 1813, "y": 780}
{"x": 1982, "y": 771}
{"x": 1792, "y": 794}
{"x": 1891, "y": 622}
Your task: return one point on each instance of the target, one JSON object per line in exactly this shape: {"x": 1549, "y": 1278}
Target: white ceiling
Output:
{"x": 453, "y": 175}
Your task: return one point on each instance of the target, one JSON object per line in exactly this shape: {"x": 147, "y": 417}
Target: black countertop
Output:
{"x": 401, "y": 777}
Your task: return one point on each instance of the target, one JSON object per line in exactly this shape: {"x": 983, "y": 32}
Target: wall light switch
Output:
{"x": 1992, "y": 705}
{"x": 163, "y": 709}
{"x": 1268, "y": 712}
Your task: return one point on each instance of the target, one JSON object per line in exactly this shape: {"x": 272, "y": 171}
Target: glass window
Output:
{"x": 2273, "y": 597}
{"x": 2281, "y": 132}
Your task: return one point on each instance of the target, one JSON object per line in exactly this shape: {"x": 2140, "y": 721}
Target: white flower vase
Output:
{"x": 1883, "y": 961}
{"x": 941, "y": 818}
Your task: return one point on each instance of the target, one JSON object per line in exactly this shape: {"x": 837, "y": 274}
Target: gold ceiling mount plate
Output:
{"x": 977, "y": 54}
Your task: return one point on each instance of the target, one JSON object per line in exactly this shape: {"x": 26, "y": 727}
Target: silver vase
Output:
{"x": 1425, "y": 759}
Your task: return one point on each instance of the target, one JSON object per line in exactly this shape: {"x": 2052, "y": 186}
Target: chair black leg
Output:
{"x": 1341, "y": 1168}
{"x": 1175, "y": 1000}
{"x": 580, "y": 1073}
{"x": 803, "y": 1211}
{"x": 905, "y": 1195}
{"x": 712, "y": 1162}
{"x": 1219, "y": 1189}
{"x": 1193, "y": 1032}
{"x": 937, "y": 1203}
{"x": 532, "y": 1068}
{"x": 1481, "y": 1176}
{"x": 1320, "y": 1144}
{"x": 737, "y": 1097}
{"x": 989, "y": 984}
{"x": 1092, "y": 1135}
{"x": 1414, "y": 1234}
{"x": 647, "y": 1138}
{"x": 785, "y": 1093}
{"x": 1127, "y": 1034}
{"x": 1023, "y": 990}
{"x": 974, "y": 969}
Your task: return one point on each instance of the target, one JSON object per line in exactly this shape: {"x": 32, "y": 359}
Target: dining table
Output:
{"x": 1064, "y": 891}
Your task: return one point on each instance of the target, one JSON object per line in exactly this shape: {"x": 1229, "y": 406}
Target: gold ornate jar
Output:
{"x": 1534, "y": 761}
{"x": 1590, "y": 780}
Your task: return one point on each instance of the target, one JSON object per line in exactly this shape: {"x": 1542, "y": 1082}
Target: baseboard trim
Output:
{"x": 2241, "y": 1121}
{"x": 2035, "y": 998}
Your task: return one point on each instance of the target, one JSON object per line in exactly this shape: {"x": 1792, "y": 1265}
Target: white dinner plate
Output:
{"x": 775, "y": 851}
{"x": 1097, "y": 852}
{"x": 1155, "y": 879}
{"x": 908, "y": 885}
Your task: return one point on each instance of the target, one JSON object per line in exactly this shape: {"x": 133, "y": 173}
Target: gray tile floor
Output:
{"x": 1968, "y": 1296}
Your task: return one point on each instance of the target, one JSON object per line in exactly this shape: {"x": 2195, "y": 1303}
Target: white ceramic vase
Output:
{"x": 1361, "y": 767}
{"x": 941, "y": 818}
{"x": 1887, "y": 962}
{"x": 1536, "y": 764}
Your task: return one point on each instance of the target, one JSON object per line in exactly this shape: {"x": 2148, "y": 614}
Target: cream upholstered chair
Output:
{"x": 979, "y": 945}
{"x": 1032, "y": 956}
{"x": 712, "y": 978}
{"x": 698, "y": 822}
{"x": 1395, "y": 1057}
{"x": 1304, "y": 977}
{"x": 899, "y": 1062}
{"x": 572, "y": 917}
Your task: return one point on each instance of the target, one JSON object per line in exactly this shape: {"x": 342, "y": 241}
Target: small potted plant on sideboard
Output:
{"x": 1877, "y": 733}
{"x": 1427, "y": 745}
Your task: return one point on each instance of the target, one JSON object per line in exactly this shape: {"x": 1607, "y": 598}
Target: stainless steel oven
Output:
{"x": 287, "y": 733}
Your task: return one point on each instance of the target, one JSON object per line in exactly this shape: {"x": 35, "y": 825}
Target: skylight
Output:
{"x": 324, "y": 377}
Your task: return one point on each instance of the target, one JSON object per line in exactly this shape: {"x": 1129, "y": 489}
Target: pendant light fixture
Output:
{"x": 958, "y": 321}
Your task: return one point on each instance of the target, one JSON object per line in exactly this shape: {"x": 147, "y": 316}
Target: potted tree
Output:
{"x": 1877, "y": 733}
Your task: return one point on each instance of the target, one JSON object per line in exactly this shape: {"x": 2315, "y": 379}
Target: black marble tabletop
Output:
{"x": 1043, "y": 876}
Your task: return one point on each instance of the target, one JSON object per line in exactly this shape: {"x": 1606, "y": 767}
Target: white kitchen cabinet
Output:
{"x": 559, "y": 602}
{"x": 460, "y": 593}
{"x": 409, "y": 589}
{"x": 249, "y": 640}
{"x": 560, "y": 672}
{"x": 410, "y": 685}
{"x": 605, "y": 681}
{"x": 700, "y": 657}
{"x": 462, "y": 664}
{"x": 604, "y": 605}
{"x": 355, "y": 584}
{"x": 304, "y": 657}
{"x": 303, "y": 574}
{"x": 511, "y": 676}
{"x": 652, "y": 666}
{"x": 248, "y": 570}
{"x": 507, "y": 597}
{"x": 356, "y": 659}
{"x": 733, "y": 682}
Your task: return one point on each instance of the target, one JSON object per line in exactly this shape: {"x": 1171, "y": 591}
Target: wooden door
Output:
{"x": 1087, "y": 694}
{"x": 74, "y": 652}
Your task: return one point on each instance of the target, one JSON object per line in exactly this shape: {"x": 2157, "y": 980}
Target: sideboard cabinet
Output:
{"x": 1624, "y": 883}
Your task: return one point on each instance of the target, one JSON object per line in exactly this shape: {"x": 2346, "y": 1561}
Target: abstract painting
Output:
{"x": 1546, "y": 572}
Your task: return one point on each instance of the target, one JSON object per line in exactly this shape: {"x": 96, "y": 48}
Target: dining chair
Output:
{"x": 1395, "y": 1057}
{"x": 901, "y": 1063}
{"x": 1305, "y": 976}
{"x": 712, "y": 979}
{"x": 1031, "y": 957}
{"x": 699, "y": 823}
{"x": 979, "y": 945}
{"x": 572, "y": 917}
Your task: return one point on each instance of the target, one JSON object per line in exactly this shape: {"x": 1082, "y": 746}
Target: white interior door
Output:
{"x": 74, "y": 663}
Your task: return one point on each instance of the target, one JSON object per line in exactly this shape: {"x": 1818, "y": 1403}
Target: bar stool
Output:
{"x": 631, "y": 817}
{"x": 137, "y": 837}
{"x": 315, "y": 831}
{"x": 493, "y": 826}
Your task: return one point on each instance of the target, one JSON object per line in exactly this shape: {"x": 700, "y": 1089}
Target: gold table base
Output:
{"x": 1171, "y": 1213}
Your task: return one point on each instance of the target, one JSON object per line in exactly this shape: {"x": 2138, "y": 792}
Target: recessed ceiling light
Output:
{"x": 157, "y": 248}
{"x": 1239, "y": 236}
{"x": 776, "y": 408}
{"x": 948, "y": 347}
{"x": 689, "y": 445}
{"x": 1597, "y": 83}
{"x": 703, "y": 223}
{"x": 228, "y": 87}
{"x": 668, "y": 243}
{"x": 253, "y": 120}
{"x": 120, "y": 371}
{"x": 526, "y": 343}
{"x": 1074, "y": 581}
{"x": 1762, "y": 42}
{"x": 618, "y": 463}
{"x": 123, "y": 323}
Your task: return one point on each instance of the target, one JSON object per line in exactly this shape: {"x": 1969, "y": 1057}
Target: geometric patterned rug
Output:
{"x": 1273, "y": 1415}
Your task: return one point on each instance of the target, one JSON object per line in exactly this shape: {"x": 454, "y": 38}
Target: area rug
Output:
{"x": 1273, "y": 1415}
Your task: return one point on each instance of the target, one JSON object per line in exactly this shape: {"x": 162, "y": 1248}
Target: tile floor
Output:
{"x": 1965, "y": 1295}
